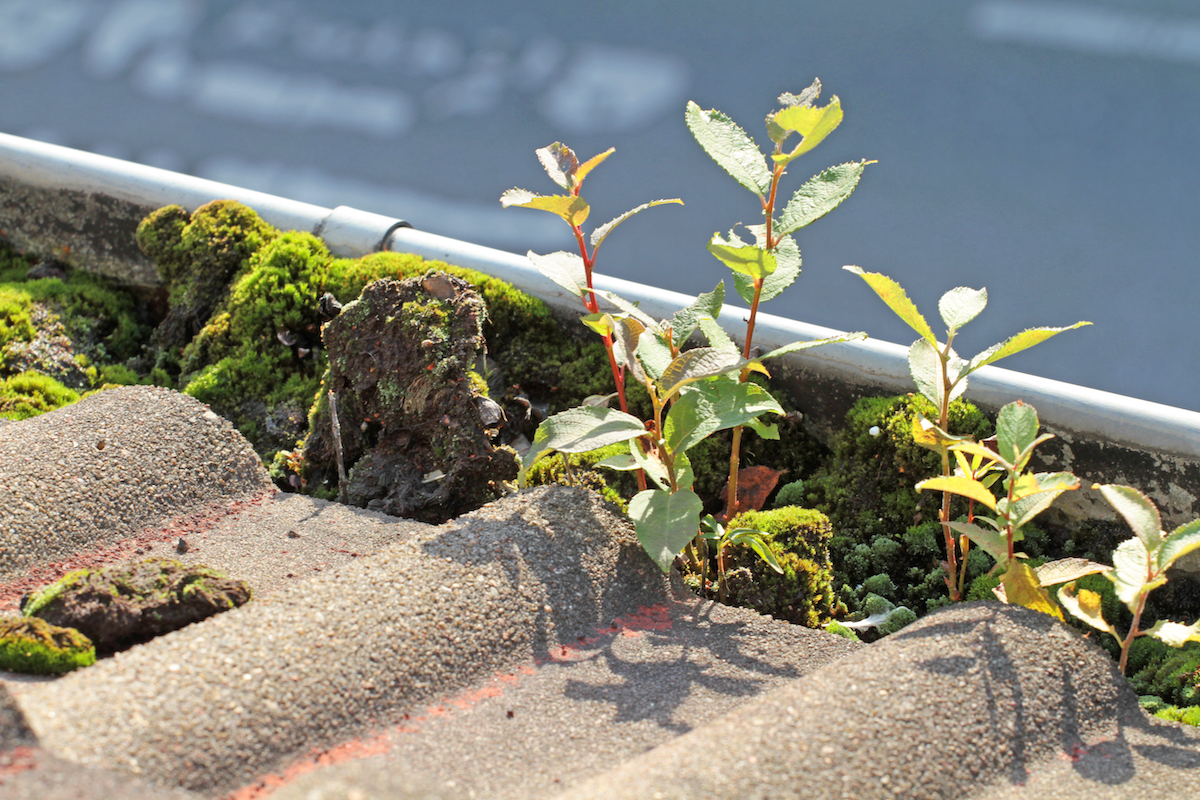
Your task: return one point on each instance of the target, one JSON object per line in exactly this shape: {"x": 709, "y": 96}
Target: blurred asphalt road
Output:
{"x": 1046, "y": 150}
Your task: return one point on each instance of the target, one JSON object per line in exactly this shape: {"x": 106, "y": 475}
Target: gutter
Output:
{"x": 84, "y": 209}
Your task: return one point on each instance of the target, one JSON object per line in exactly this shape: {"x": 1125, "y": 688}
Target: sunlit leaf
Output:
{"x": 626, "y": 338}
{"x": 759, "y": 543}
{"x": 1174, "y": 634}
{"x": 1086, "y": 606}
{"x": 1181, "y": 541}
{"x": 716, "y": 335}
{"x": 787, "y": 269}
{"x": 764, "y": 430}
{"x": 1131, "y": 572}
{"x": 560, "y": 163}
{"x": 1049, "y": 487}
{"x": 711, "y": 407}
{"x": 730, "y": 146}
{"x": 925, "y": 366}
{"x": 1022, "y": 341}
{"x": 591, "y": 164}
{"x": 651, "y": 464}
{"x": 685, "y": 321}
{"x": 1138, "y": 511}
{"x": 926, "y": 433}
{"x": 811, "y": 122}
{"x": 740, "y": 257}
{"x": 571, "y": 208}
{"x": 960, "y": 485}
{"x": 665, "y": 522}
{"x": 604, "y": 230}
{"x": 580, "y": 429}
{"x": 1016, "y": 428}
{"x": 1022, "y": 588}
{"x": 897, "y": 300}
{"x": 697, "y": 364}
{"x": 1067, "y": 569}
{"x": 622, "y": 462}
{"x": 565, "y": 269}
{"x": 819, "y": 195}
{"x": 960, "y": 306}
{"x": 796, "y": 347}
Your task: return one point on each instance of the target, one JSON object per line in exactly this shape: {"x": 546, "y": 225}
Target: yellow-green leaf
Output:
{"x": 1022, "y": 588}
{"x": 897, "y": 299}
{"x": 960, "y": 485}
{"x": 1087, "y": 606}
{"x": 812, "y": 123}
{"x": 571, "y": 208}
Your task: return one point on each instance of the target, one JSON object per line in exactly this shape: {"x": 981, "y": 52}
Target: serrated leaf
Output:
{"x": 1174, "y": 634}
{"x": 654, "y": 354}
{"x": 796, "y": 347}
{"x": 897, "y": 300}
{"x": 626, "y": 334}
{"x": 925, "y": 366}
{"x": 571, "y": 208}
{"x": 1067, "y": 569}
{"x": 729, "y": 146}
{"x": 805, "y": 98}
{"x": 1022, "y": 341}
{"x": 604, "y": 230}
{"x": 565, "y": 269}
{"x": 560, "y": 163}
{"x": 1022, "y": 588}
{"x": 1138, "y": 511}
{"x": 716, "y": 335}
{"x": 1181, "y": 541}
{"x": 976, "y": 449}
{"x": 819, "y": 195}
{"x": 650, "y": 464}
{"x": 743, "y": 258}
{"x": 994, "y": 543}
{"x": 787, "y": 269}
{"x": 765, "y": 430}
{"x": 706, "y": 306}
{"x": 811, "y": 122}
{"x": 960, "y": 306}
{"x": 627, "y": 307}
{"x": 665, "y": 522}
{"x": 697, "y": 364}
{"x": 1087, "y": 606}
{"x": 1016, "y": 428}
{"x": 1131, "y": 572}
{"x": 580, "y": 429}
{"x": 590, "y": 164}
{"x": 712, "y": 407}
{"x": 960, "y": 485}
{"x": 622, "y": 462}
{"x": 1030, "y": 505}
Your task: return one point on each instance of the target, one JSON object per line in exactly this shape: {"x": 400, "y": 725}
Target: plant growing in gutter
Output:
{"x": 722, "y": 538}
{"x": 1139, "y": 566}
{"x": 941, "y": 375}
{"x": 770, "y": 262}
{"x": 1025, "y": 495}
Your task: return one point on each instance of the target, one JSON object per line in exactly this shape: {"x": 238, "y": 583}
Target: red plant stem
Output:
{"x": 735, "y": 453}
{"x": 1133, "y": 632}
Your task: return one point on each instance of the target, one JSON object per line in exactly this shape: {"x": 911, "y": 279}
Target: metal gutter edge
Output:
{"x": 882, "y": 365}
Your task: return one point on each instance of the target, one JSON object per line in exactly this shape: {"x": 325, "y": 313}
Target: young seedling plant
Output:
{"x": 722, "y": 538}
{"x": 770, "y": 262}
{"x": 1139, "y": 567}
{"x": 1025, "y": 495}
{"x": 941, "y": 376}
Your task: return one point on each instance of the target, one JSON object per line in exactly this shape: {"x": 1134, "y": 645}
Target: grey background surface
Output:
{"x": 1045, "y": 150}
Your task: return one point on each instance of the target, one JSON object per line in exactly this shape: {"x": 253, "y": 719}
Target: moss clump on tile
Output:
{"x": 882, "y": 525}
{"x": 34, "y": 646}
{"x": 616, "y": 487}
{"x": 32, "y": 393}
{"x": 799, "y": 538}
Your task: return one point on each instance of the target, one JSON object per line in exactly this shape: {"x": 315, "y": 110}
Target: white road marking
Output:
{"x": 1089, "y": 29}
{"x": 607, "y": 89}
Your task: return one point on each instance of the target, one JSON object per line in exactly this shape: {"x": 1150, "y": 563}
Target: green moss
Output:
{"x": 34, "y": 646}
{"x": 32, "y": 393}
{"x": 610, "y": 484}
{"x": 791, "y": 494}
{"x": 799, "y": 539}
{"x": 838, "y": 629}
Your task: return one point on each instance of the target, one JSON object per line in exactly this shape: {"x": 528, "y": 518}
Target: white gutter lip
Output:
{"x": 349, "y": 232}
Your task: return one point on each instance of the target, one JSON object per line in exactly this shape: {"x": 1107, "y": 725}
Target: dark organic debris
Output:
{"x": 126, "y": 604}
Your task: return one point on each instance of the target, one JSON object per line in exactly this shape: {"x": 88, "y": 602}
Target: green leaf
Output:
{"x": 730, "y": 146}
{"x": 1181, "y": 541}
{"x": 960, "y": 306}
{"x": 716, "y": 335}
{"x": 622, "y": 462}
{"x": 757, "y": 541}
{"x": 627, "y": 307}
{"x": 665, "y": 522}
{"x": 591, "y": 164}
{"x": 685, "y": 321}
{"x": 604, "y": 230}
{"x": 796, "y": 347}
{"x": 976, "y": 449}
{"x": 697, "y": 364}
{"x": 897, "y": 300}
{"x": 960, "y": 485}
{"x": 1138, "y": 511}
{"x": 571, "y": 208}
{"x": 926, "y": 433}
{"x": 560, "y": 163}
{"x": 1022, "y": 341}
{"x": 654, "y": 354}
{"x": 1131, "y": 572}
{"x": 651, "y": 465}
{"x": 805, "y": 98}
{"x": 626, "y": 337}
{"x": 743, "y": 258}
{"x": 1049, "y": 487}
{"x": 1086, "y": 606}
{"x": 764, "y": 430}
{"x": 1067, "y": 569}
{"x": 812, "y": 123}
{"x": 787, "y": 269}
{"x": 1016, "y": 428}
{"x": 711, "y": 407}
{"x": 994, "y": 543}
{"x": 925, "y": 366}
{"x": 1173, "y": 633}
{"x": 1021, "y": 586}
{"x": 819, "y": 195}
{"x": 580, "y": 429}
